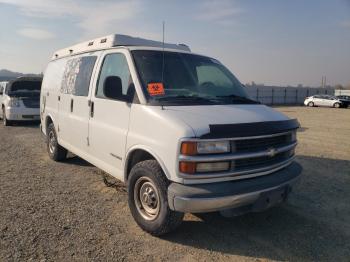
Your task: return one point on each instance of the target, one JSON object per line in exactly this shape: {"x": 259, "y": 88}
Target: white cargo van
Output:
{"x": 176, "y": 127}
{"x": 19, "y": 100}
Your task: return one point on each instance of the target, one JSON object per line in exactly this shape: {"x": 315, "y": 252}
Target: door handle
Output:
{"x": 71, "y": 105}
{"x": 92, "y": 105}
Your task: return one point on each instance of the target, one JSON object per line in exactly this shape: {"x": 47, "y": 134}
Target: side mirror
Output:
{"x": 113, "y": 89}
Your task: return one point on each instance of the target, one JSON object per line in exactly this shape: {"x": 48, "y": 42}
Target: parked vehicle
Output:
{"x": 345, "y": 100}
{"x": 323, "y": 100}
{"x": 20, "y": 100}
{"x": 176, "y": 127}
{"x": 2, "y": 90}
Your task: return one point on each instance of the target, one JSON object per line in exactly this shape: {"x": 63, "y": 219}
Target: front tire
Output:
{"x": 336, "y": 105}
{"x": 148, "y": 199}
{"x": 310, "y": 104}
{"x": 55, "y": 150}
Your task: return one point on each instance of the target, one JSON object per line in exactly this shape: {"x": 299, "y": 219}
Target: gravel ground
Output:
{"x": 65, "y": 211}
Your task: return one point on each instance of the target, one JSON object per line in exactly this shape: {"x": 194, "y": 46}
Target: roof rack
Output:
{"x": 112, "y": 41}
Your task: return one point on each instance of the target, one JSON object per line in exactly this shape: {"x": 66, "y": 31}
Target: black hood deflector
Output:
{"x": 250, "y": 129}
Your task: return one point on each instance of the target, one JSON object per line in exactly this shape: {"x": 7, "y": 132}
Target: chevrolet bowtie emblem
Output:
{"x": 271, "y": 152}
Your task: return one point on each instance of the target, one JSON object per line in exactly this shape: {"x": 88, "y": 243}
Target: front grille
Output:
{"x": 259, "y": 144}
{"x": 251, "y": 155}
{"x": 31, "y": 103}
{"x": 260, "y": 162}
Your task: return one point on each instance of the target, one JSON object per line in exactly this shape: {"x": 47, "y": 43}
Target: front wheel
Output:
{"x": 148, "y": 199}
{"x": 336, "y": 105}
{"x": 311, "y": 104}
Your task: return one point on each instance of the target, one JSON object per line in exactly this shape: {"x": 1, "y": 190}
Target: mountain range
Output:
{"x": 6, "y": 75}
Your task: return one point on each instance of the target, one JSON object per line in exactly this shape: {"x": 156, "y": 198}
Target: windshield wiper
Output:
{"x": 240, "y": 99}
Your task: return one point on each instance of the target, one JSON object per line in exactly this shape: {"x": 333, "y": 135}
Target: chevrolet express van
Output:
{"x": 20, "y": 100}
{"x": 177, "y": 127}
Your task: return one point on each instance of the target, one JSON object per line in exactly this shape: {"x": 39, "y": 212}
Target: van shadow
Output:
{"x": 75, "y": 160}
{"x": 310, "y": 226}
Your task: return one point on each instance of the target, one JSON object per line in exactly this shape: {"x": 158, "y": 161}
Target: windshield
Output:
{"x": 172, "y": 78}
{"x": 25, "y": 88}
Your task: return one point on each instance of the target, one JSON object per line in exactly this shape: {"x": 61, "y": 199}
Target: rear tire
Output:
{"x": 336, "y": 105}
{"x": 55, "y": 150}
{"x": 148, "y": 199}
{"x": 310, "y": 104}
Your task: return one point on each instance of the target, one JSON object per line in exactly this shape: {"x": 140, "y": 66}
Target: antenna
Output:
{"x": 163, "y": 33}
{"x": 163, "y": 51}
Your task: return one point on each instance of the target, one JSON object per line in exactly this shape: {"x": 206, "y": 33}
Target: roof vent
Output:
{"x": 56, "y": 55}
{"x": 70, "y": 51}
{"x": 104, "y": 40}
{"x": 91, "y": 43}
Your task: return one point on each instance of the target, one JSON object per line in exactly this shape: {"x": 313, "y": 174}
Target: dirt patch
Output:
{"x": 69, "y": 211}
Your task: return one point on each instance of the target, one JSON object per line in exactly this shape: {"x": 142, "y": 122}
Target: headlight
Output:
{"x": 213, "y": 147}
{"x": 14, "y": 102}
{"x": 203, "y": 167}
{"x": 205, "y": 147}
{"x": 212, "y": 167}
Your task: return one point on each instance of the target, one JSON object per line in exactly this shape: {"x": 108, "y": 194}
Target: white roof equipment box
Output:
{"x": 112, "y": 41}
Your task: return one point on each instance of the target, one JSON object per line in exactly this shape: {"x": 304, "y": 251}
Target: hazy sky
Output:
{"x": 271, "y": 41}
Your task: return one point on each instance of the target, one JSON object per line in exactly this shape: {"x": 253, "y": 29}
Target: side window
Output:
{"x": 77, "y": 76}
{"x": 1, "y": 89}
{"x": 115, "y": 65}
{"x": 208, "y": 73}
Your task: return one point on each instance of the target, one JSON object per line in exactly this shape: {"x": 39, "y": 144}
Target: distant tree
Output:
{"x": 338, "y": 86}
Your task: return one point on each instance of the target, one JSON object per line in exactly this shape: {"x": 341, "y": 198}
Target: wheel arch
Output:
{"x": 140, "y": 153}
{"x": 48, "y": 120}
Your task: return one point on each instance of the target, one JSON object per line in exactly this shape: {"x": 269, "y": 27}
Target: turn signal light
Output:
{"x": 189, "y": 148}
{"x": 187, "y": 167}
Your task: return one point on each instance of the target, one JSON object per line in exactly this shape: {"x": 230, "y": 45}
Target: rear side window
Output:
{"x": 77, "y": 75}
{"x": 115, "y": 65}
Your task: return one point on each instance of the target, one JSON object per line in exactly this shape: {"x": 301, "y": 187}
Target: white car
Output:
{"x": 177, "y": 127}
{"x": 20, "y": 100}
{"x": 323, "y": 100}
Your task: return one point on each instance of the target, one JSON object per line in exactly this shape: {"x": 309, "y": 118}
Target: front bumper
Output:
{"x": 259, "y": 193}
{"x": 23, "y": 114}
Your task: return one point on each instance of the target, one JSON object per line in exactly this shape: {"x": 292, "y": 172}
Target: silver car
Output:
{"x": 323, "y": 100}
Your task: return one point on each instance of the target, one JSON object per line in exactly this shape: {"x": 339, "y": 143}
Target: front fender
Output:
{"x": 148, "y": 150}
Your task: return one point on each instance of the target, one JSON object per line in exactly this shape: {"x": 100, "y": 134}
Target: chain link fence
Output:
{"x": 284, "y": 95}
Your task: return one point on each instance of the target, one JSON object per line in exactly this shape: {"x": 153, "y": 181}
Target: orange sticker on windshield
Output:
{"x": 155, "y": 89}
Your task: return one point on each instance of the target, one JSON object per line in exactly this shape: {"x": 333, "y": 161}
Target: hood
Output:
{"x": 200, "y": 117}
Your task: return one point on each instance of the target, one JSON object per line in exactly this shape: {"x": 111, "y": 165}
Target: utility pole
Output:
{"x": 323, "y": 82}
